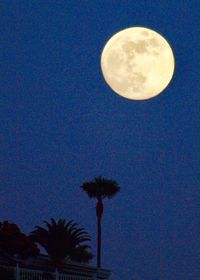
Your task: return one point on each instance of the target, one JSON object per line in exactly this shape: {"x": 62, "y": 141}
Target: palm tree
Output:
{"x": 81, "y": 254}
{"x": 100, "y": 188}
{"x": 60, "y": 239}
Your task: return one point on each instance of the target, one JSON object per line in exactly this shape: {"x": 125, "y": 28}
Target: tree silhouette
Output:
{"x": 99, "y": 189}
{"x": 62, "y": 240}
{"x": 14, "y": 243}
{"x": 81, "y": 254}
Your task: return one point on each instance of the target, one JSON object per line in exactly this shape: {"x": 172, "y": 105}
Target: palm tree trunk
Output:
{"x": 98, "y": 242}
{"x": 99, "y": 213}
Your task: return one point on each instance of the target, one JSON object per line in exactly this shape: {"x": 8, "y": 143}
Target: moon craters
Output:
{"x": 137, "y": 63}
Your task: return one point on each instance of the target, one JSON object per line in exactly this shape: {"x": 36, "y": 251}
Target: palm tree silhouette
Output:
{"x": 100, "y": 188}
{"x": 81, "y": 254}
{"x": 62, "y": 240}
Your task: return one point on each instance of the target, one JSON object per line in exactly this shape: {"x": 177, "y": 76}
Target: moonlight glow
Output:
{"x": 137, "y": 63}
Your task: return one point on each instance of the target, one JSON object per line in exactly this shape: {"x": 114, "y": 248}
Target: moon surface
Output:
{"x": 137, "y": 63}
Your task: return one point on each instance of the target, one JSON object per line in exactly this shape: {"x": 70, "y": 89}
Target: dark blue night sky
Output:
{"x": 62, "y": 125}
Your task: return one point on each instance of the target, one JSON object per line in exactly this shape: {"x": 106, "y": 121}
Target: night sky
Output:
{"x": 61, "y": 125}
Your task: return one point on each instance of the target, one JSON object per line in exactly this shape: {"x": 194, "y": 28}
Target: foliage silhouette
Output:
{"x": 14, "y": 243}
{"x": 81, "y": 254}
{"x": 99, "y": 189}
{"x": 62, "y": 240}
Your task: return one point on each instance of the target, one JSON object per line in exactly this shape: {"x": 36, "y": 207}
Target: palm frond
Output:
{"x": 82, "y": 254}
{"x": 60, "y": 238}
{"x": 101, "y": 188}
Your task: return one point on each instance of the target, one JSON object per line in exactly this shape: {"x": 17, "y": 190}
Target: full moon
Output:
{"x": 137, "y": 63}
